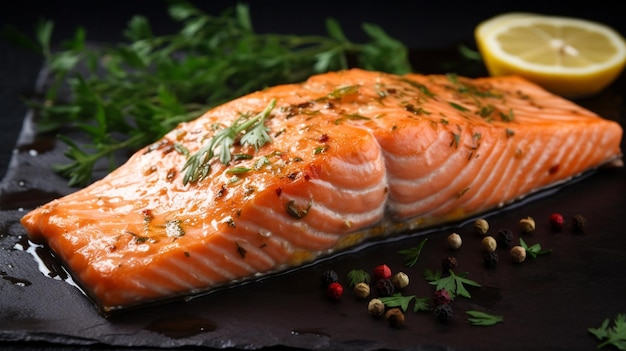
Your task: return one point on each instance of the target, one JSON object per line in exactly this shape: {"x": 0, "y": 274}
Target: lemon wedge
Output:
{"x": 569, "y": 56}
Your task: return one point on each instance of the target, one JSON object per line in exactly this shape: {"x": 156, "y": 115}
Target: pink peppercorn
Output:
{"x": 382, "y": 272}
{"x": 441, "y": 297}
{"x": 335, "y": 290}
{"x": 557, "y": 222}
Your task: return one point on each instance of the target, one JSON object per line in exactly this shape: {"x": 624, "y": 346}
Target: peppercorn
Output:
{"x": 557, "y": 222}
{"x": 578, "y": 224}
{"x": 454, "y": 241}
{"x": 376, "y": 307}
{"x": 441, "y": 297}
{"x": 385, "y": 287}
{"x": 400, "y": 280}
{"x": 505, "y": 238}
{"x": 335, "y": 290}
{"x": 481, "y": 226}
{"x": 395, "y": 317}
{"x": 448, "y": 263}
{"x": 329, "y": 277}
{"x": 518, "y": 254}
{"x": 362, "y": 290}
{"x": 527, "y": 224}
{"x": 382, "y": 272}
{"x": 490, "y": 259}
{"x": 489, "y": 244}
{"x": 443, "y": 313}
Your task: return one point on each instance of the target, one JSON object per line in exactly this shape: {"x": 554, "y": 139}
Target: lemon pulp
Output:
{"x": 571, "y": 57}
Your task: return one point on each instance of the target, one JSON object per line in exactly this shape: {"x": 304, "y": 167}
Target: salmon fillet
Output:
{"x": 352, "y": 155}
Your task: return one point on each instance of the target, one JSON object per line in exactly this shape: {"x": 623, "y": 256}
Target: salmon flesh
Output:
{"x": 339, "y": 159}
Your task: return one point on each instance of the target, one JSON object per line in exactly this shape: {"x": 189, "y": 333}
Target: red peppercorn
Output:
{"x": 382, "y": 272}
{"x": 557, "y": 222}
{"x": 335, "y": 290}
{"x": 441, "y": 297}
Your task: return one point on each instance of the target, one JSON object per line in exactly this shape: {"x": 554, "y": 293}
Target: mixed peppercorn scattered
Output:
{"x": 384, "y": 291}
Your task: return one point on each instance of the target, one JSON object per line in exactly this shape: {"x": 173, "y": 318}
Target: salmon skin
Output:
{"x": 350, "y": 155}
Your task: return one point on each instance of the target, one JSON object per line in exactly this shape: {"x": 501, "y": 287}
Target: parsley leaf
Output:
{"x": 411, "y": 255}
{"x": 612, "y": 335}
{"x": 357, "y": 276}
{"x": 398, "y": 300}
{"x": 483, "y": 319}
{"x": 534, "y": 250}
{"x": 453, "y": 283}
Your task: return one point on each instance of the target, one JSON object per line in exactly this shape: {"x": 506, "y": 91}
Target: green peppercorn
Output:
{"x": 362, "y": 290}
{"x": 481, "y": 226}
{"x": 376, "y": 307}
{"x": 400, "y": 280}
{"x": 527, "y": 224}
{"x": 518, "y": 254}
{"x": 454, "y": 241}
{"x": 489, "y": 244}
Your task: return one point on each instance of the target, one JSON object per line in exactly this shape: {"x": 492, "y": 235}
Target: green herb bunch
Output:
{"x": 126, "y": 95}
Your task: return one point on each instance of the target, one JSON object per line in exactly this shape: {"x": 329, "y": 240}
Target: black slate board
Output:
{"x": 547, "y": 302}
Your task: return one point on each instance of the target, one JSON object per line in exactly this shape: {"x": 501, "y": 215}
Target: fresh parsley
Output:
{"x": 483, "y": 319}
{"x": 357, "y": 276}
{"x": 453, "y": 283}
{"x": 403, "y": 302}
{"x": 126, "y": 95}
{"x": 411, "y": 254}
{"x": 611, "y": 335}
{"x": 534, "y": 250}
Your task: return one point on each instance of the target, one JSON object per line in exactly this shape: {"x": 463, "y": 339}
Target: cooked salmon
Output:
{"x": 338, "y": 159}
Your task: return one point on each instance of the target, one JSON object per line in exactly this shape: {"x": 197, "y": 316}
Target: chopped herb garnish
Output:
{"x": 456, "y": 138}
{"x": 411, "y": 255}
{"x": 198, "y": 166}
{"x": 262, "y": 161}
{"x": 507, "y": 117}
{"x": 509, "y": 133}
{"x": 239, "y": 170}
{"x": 458, "y": 107}
{"x": 296, "y": 211}
{"x": 483, "y": 319}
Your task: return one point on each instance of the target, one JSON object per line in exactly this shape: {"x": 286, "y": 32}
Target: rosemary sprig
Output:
{"x": 143, "y": 87}
{"x": 254, "y": 130}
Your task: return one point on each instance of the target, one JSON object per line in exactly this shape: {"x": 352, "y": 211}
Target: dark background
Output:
{"x": 418, "y": 24}
{"x": 585, "y": 281}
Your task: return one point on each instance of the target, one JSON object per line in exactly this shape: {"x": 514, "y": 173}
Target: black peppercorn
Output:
{"x": 385, "y": 287}
{"x": 443, "y": 313}
{"x": 329, "y": 277}
{"x": 448, "y": 263}
{"x": 578, "y": 224}
{"x": 491, "y": 259}
{"x": 505, "y": 238}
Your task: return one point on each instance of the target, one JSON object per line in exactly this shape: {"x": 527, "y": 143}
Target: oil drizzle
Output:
{"x": 13, "y": 280}
{"x": 49, "y": 265}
